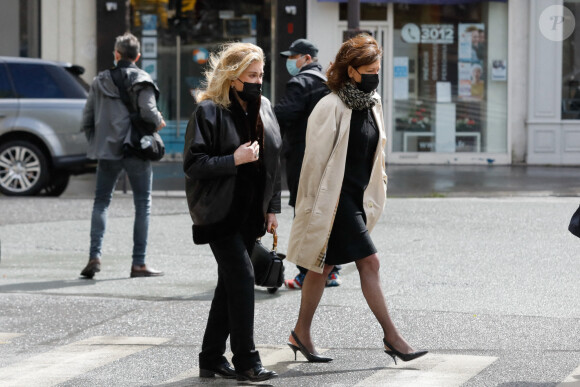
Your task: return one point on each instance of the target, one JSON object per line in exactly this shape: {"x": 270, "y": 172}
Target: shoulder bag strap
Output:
{"x": 315, "y": 73}
{"x": 117, "y": 77}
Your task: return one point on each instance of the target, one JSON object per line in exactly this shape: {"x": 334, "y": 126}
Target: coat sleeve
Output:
{"x": 275, "y": 206}
{"x": 148, "y": 104}
{"x": 291, "y": 107}
{"x": 201, "y": 161}
{"x": 88, "y": 125}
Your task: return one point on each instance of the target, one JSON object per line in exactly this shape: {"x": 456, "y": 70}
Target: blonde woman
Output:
{"x": 231, "y": 165}
{"x": 342, "y": 193}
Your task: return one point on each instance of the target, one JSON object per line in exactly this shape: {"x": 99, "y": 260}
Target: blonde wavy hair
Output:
{"x": 226, "y": 65}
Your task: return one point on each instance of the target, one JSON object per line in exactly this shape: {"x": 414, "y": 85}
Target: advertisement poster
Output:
{"x": 149, "y": 23}
{"x": 150, "y": 66}
{"x": 471, "y": 55}
{"x": 149, "y": 47}
{"x": 499, "y": 70}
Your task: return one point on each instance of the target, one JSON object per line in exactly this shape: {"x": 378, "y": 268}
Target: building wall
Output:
{"x": 9, "y": 27}
{"x": 551, "y": 140}
{"x": 518, "y": 67}
{"x": 68, "y": 30}
{"x": 507, "y": 31}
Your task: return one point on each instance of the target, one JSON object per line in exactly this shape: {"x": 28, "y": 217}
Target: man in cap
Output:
{"x": 303, "y": 91}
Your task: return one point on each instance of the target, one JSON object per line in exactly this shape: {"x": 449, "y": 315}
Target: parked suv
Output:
{"x": 41, "y": 142}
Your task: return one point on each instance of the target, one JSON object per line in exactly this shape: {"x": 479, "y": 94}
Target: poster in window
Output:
{"x": 149, "y": 23}
{"x": 401, "y": 78}
{"x": 149, "y": 47}
{"x": 471, "y": 55}
{"x": 150, "y": 67}
{"x": 499, "y": 70}
{"x": 237, "y": 27}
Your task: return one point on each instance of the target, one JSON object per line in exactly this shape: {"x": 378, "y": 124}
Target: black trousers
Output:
{"x": 232, "y": 308}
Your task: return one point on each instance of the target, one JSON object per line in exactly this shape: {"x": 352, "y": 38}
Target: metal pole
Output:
{"x": 178, "y": 84}
{"x": 353, "y": 14}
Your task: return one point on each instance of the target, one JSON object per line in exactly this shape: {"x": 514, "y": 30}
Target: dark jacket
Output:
{"x": 210, "y": 172}
{"x": 303, "y": 91}
{"x": 106, "y": 119}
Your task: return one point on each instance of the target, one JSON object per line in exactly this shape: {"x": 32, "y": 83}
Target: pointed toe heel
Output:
{"x": 392, "y": 352}
{"x": 293, "y": 348}
{"x": 312, "y": 358}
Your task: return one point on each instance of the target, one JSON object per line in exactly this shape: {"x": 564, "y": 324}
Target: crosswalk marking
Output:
{"x": 274, "y": 358}
{"x": 573, "y": 380}
{"x": 69, "y": 361}
{"x": 431, "y": 370}
{"x": 5, "y": 337}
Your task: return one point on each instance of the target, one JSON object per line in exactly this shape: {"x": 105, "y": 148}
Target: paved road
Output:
{"x": 488, "y": 285}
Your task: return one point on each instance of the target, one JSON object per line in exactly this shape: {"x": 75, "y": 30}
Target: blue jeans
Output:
{"x": 140, "y": 176}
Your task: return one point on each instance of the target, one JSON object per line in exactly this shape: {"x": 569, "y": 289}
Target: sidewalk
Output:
{"x": 409, "y": 181}
{"x": 465, "y": 181}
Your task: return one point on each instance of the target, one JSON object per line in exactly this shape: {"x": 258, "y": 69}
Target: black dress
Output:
{"x": 349, "y": 239}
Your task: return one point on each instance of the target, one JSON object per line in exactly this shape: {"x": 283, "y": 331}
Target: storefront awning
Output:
{"x": 437, "y": 2}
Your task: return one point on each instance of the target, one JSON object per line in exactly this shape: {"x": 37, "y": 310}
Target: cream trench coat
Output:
{"x": 321, "y": 181}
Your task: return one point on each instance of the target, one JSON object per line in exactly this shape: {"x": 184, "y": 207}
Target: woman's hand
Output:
{"x": 271, "y": 222}
{"x": 247, "y": 153}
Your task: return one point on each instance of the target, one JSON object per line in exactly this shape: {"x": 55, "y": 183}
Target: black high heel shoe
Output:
{"x": 403, "y": 356}
{"x": 312, "y": 358}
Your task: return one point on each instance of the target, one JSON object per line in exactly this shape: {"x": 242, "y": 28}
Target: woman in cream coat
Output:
{"x": 342, "y": 193}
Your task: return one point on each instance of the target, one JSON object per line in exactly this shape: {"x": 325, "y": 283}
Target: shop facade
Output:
{"x": 462, "y": 81}
{"x": 444, "y": 75}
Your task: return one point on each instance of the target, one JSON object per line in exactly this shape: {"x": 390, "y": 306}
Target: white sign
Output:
{"x": 401, "y": 78}
{"x": 499, "y": 70}
{"x": 428, "y": 33}
{"x": 149, "y": 47}
{"x": 150, "y": 66}
{"x": 443, "y": 91}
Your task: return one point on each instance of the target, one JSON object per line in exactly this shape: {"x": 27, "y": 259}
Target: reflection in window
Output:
{"x": 202, "y": 25}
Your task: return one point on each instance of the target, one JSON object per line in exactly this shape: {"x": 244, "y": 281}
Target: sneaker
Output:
{"x": 333, "y": 280}
{"x": 295, "y": 283}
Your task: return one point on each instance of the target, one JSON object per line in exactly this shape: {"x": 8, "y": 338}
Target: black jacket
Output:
{"x": 210, "y": 172}
{"x": 303, "y": 91}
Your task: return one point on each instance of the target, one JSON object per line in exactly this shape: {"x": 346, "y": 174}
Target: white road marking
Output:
{"x": 5, "y": 337}
{"x": 430, "y": 370}
{"x": 72, "y": 360}
{"x": 274, "y": 358}
{"x": 573, "y": 380}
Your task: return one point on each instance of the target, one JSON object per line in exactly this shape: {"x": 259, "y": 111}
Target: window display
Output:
{"x": 446, "y": 98}
{"x": 186, "y": 36}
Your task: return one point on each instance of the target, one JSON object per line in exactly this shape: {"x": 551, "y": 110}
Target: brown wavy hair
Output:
{"x": 359, "y": 51}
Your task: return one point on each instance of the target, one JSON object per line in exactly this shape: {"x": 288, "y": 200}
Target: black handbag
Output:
{"x": 143, "y": 140}
{"x": 268, "y": 265}
{"x": 574, "y": 226}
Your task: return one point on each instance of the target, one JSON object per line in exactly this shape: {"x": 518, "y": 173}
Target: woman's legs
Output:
{"x": 368, "y": 269}
{"x": 312, "y": 289}
{"x": 232, "y": 310}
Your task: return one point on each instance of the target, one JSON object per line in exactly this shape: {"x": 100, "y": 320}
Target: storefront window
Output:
{"x": 368, "y": 11}
{"x": 571, "y": 69}
{"x": 450, "y": 78}
{"x": 188, "y": 34}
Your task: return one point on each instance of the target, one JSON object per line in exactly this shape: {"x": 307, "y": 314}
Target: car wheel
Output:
{"x": 57, "y": 184}
{"x": 23, "y": 168}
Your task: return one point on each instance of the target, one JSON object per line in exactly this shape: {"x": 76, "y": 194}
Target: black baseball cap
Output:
{"x": 301, "y": 46}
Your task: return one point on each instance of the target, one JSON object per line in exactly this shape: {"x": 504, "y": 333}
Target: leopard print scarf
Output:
{"x": 356, "y": 99}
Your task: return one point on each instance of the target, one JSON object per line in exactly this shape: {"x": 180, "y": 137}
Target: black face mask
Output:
{"x": 368, "y": 82}
{"x": 250, "y": 92}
